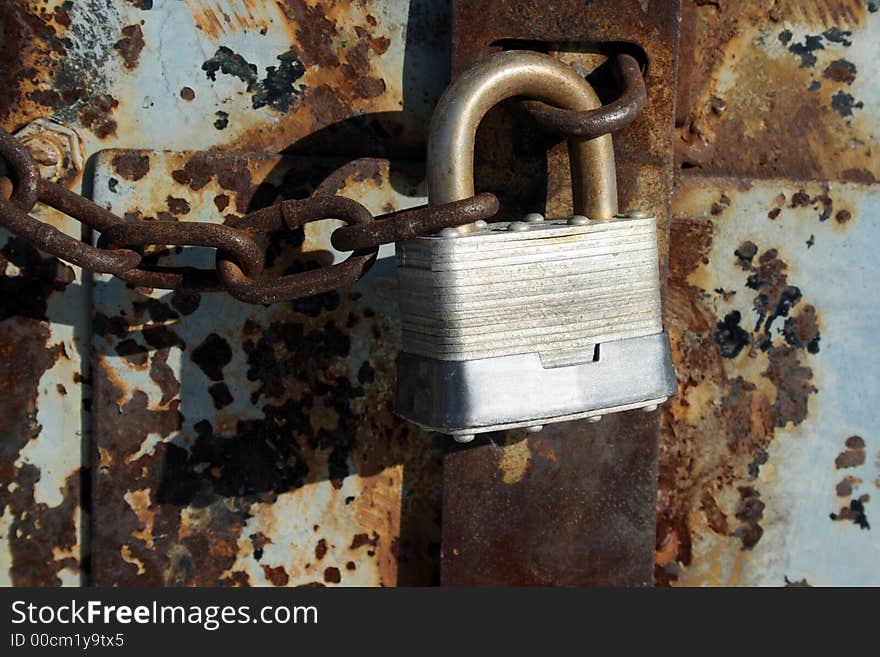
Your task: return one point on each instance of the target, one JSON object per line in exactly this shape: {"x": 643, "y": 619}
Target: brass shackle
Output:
{"x": 498, "y": 77}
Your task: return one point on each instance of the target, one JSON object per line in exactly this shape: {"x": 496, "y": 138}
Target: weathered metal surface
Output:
{"x": 780, "y": 89}
{"x": 42, "y": 321}
{"x": 574, "y": 505}
{"x": 768, "y": 91}
{"x": 237, "y": 444}
{"x": 770, "y": 457}
{"x": 571, "y": 506}
{"x": 253, "y": 75}
{"x": 329, "y": 77}
{"x": 43, "y": 333}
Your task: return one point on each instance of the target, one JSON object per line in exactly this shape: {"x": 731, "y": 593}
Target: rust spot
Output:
{"x": 719, "y": 206}
{"x": 360, "y": 540}
{"x": 854, "y": 454}
{"x": 164, "y": 377}
{"x": 366, "y": 87}
{"x": 800, "y": 199}
{"x": 715, "y": 517}
{"x": 855, "y": 442}
{"x": 27, "y": 38}
{"x": 746, "y": 253}
{"x": 231, "y": 173}
{"x": 844, "y": 103}
{"x": 860, "y": 175}
{"x": 177, "y": 205}
{"x": 792, "y": 382}
{"x": 277, "y": 90}
{"x": 802, "y": 330}
{"x": 185, "y": 302}
{"x": 514, "y": 460}
{"x": 130, "y": 45}
{"x": 846, "y": 486}
{"x": 315, "y": 32}
{"x": 131, "y": 351}
{"x": 212, "y": 355}
{"x": 842, "y": 216}
{"x": 775, "y": 298}
{"x": 278, "y": 576}
{"x": 801, "y": 583}
{"x": 730, "y": 336}
{"x": 61, "y": 13}
{"x": 321, "y": 549}
{"x": 187, "y": 93}
{"x": 220, "y": 395}
{"x": 259, "y": 541}
{"x": 750, "y": 511}
{"x": 855, "y": 512}
{"x": 332, "y": 575}
{"x": 96, "y": 115}
{"x": 840, "y": 70}
{"x": 221, "y": 201}
{"x": 132, "y": 165}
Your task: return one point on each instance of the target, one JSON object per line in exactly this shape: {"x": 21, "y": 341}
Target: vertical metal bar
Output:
{"x": 574, "y": 505}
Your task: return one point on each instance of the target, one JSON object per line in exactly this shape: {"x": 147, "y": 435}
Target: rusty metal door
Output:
{"x": 154, "y": 438}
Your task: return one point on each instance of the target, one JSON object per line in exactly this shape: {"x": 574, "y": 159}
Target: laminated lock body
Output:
{"x": 522, "y": 324}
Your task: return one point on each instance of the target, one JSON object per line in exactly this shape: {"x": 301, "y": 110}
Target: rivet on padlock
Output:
{"x": 532, "y": 321}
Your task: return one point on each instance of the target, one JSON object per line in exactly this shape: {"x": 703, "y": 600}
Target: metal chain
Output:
{"x": 609, "y": 118}
{"x": 239, "y": 260}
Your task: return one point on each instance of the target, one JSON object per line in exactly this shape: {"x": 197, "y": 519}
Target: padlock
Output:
{"x": 522, "y": 323}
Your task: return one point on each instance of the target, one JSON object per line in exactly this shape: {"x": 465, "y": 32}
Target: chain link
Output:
{"x": 239, "y": 260}
{"x": 609, "y": 118}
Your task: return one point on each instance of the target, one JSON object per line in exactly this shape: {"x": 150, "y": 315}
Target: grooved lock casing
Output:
{"x": 545, "y": 322}
{"x": 553, "y": 289}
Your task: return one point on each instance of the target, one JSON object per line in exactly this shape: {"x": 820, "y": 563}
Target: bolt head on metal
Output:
{"x": 463, "y": 437}
{"x": 57, "y": 148}
{"x": 649, "y": 409}
{"x": 578, "y": 220}
{"x": 480, "y": 224}
{"x": 637, "y": 214}
{"x": 450, "y": 232}
{"x": 517, "y": 226}
{"x": 594, "y": 418}
{"x": 537, "y": 428}
{"x": 533, "y": 217}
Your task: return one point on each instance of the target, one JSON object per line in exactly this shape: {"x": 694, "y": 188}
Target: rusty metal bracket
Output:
{"x": 574, "y": 505}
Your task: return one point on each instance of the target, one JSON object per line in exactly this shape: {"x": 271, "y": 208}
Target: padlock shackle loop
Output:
{"x": 498, "y": 77}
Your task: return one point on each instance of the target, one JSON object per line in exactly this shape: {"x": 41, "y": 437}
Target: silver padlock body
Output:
{"x": 506, "y": 328}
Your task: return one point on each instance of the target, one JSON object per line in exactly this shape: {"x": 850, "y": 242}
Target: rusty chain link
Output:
{"x": 612, "y": 117}
{"x": 292, "y": 215}
{"x": 239, "y": 260}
